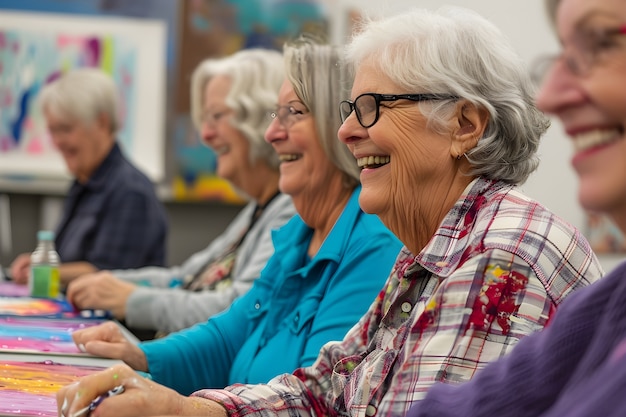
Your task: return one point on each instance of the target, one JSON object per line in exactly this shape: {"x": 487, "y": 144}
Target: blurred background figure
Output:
{"x": 230, "y": 98}
{"x": 112, "y": 217}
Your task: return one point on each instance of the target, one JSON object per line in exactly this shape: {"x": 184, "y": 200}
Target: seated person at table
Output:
{"x": 112, "y": 217}
{"x": 576, "y": 367}
{"x": 229, "y": 102}
{"x": 330, "y": 260}
{"x": 443, "y": 125}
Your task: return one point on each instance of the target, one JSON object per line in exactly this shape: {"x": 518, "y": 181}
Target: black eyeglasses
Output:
{"x": 367, "y": 105}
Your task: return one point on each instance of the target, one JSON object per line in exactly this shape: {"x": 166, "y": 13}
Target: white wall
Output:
{"x": 554, "y": 184}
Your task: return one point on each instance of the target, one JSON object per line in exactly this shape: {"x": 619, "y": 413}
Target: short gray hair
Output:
{"x": 319, "y": 79}
{"x": 256, "y": 76}
{"x": 83, "y": 94}
{"x": 454, "y": 51}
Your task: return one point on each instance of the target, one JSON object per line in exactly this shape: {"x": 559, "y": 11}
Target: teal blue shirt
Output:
{"x": 292, "y": 309}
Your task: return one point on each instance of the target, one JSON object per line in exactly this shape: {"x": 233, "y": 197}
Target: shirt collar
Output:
{"x": 443, "y": 252}
{"x": 101, "y": 175}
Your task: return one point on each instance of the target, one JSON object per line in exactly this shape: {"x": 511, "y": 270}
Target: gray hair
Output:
{"x": 83, "y": 94}
{"x": 319, "y": 79}
{"x": 454, "y": 51}
{"x": 256, "y": 76}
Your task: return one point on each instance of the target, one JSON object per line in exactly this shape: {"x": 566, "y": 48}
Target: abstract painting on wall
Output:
{"x": 36, "y": 48}
{"x": 215, "y": 28}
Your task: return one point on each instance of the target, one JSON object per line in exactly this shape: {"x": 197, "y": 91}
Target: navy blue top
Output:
{"x": 115, "y": 220}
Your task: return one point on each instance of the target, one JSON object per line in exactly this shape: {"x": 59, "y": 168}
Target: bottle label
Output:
{"x": 45, "y": 281}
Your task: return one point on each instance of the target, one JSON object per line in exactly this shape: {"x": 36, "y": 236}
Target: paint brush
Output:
{"x": 96, "y": 401}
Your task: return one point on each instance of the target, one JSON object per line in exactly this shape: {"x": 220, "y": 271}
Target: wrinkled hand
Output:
{"x": 100, "y": 290}
{"x": 20, "y": 268}
{"x": 141, "y": 397}
{"x": 108, "y": 341}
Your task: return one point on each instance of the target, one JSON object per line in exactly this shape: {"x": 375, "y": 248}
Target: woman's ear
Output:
{"x": 471, "y": 124}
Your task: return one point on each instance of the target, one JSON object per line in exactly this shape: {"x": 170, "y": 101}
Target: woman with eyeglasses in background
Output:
{"x": 443, "y": 127}
{"x": 329, "y": 261}
{"x": 577, "y": 366}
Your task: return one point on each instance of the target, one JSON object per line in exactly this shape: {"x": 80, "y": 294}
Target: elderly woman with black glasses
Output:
{"x": 443, "y": 127}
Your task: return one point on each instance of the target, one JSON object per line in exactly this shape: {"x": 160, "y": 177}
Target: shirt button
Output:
{"x": 406, "y": 307}
{"x": 257, "y": 305}
{"x": 370, "y": 410}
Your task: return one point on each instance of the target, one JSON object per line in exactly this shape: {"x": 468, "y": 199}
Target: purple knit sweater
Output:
{"x": 575, "y": 367}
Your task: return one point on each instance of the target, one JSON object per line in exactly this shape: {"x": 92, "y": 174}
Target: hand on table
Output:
{"x": 20, "y": 268}
{"x": 108, "y": 341}
{"x": 141, "y": 397}
{"x": 100, "y": 291}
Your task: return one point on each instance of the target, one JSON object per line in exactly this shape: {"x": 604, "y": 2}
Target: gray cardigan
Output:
{"x": 166, "y": 309}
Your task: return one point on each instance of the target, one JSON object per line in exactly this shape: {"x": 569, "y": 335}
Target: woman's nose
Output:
{"x": 351, "y": 130}
{"x": 559, "y": 89}
{"x": 275, "y": 131}
{"x": 207, "y": 134}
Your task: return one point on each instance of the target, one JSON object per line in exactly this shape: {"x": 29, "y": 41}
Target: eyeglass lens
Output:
{"x": 366, "y": 109}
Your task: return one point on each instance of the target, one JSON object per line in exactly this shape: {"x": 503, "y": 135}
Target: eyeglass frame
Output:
{"x": 378, "y": 98}
{"x": 212, "y": 119}
{"x": 292, "y": 111}
{"x": 580, "y": 62}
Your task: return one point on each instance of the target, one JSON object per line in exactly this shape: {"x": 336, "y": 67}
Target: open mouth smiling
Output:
{"x": 596, "y": 138}
{"x": 289, "y": 157}
{"x": 372, "y": 162}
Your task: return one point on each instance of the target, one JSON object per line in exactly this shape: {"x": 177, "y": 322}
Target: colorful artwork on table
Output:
{"x": 36, "y": 307}
{"x": 35, "y": 49}
{"x": 45, "y": 335}
{"x": 29, "y": 388}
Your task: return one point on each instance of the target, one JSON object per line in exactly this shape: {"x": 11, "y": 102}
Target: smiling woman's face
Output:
{"x": 586, "y": 90}
{"x": 305, "y": 170}
{"x": 230, "y": 145}
{"x": 403, "y": 162}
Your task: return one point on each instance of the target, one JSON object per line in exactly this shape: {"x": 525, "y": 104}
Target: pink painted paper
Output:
{"x": 41, "y": 335}
{"x": 11, "y": 289}
{"x": 29, "y": 388}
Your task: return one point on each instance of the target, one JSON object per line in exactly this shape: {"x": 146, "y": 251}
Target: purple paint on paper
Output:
{"x": 11, "y": 289}
{"x": 41, "y": 335}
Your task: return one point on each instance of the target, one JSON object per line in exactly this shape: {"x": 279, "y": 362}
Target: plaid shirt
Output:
{"x": 494, "y": 272}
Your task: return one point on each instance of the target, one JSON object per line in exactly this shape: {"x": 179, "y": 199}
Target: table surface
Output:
{"x": 16, "y": 356}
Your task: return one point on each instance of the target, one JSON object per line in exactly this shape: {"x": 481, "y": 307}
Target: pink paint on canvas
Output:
{"x": 45, "y": 335}
{"x": 29, "y": 388}
{"x": 11, "y": 289}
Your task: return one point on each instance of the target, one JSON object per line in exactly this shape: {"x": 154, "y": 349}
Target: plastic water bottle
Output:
{"x": 44, "y": 267}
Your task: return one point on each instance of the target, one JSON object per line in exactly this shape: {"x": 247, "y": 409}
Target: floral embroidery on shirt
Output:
{"x": 497, "y": 298}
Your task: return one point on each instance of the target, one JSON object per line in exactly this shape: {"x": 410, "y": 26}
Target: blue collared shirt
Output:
{"x": 292, "y": 310}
